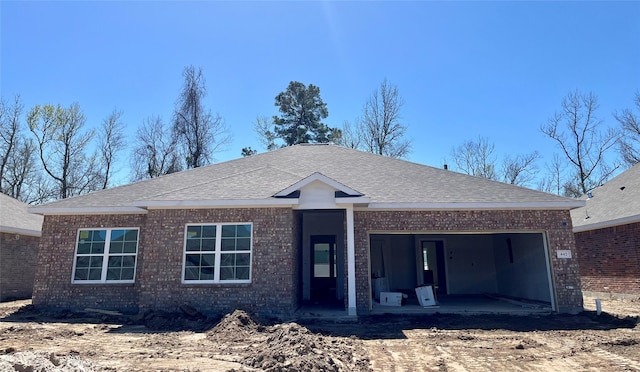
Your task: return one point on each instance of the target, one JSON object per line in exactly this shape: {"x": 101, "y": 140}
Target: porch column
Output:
{"x": 351, "y": 263}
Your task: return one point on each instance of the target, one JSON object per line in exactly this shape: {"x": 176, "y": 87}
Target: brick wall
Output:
{"x": 275, "y": 285}
{"x": 158, "y": 283}
{"x": 296, "y": 256}
{"x": 273, "y": 263}
{"x": 610, "y": 259}
{"x": 557, "y": 225}
{"x": 18, "y": 256}
{"x": 53, "y": 288}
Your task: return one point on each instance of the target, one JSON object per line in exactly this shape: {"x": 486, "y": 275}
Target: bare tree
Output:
{"x": 266, "y": 136}
{"x": 19, "y": 170}
{"x": 521, "y": 169}
{"x": 111, "y": 141}
{"x": 576, "y": 130}
{"x": 630, "y": 141}
{"x": 155, "y": 151}
{"x": 203, "y": 133}
{"x": 553, "y": 181}
{"x": 476, "y": 158}
{"x": 20, "y": 174}
{"x": 9, "y": 135}
{"x": 352, "y": 136}
{"x": 62, "y": 148}
{"x": 382, "y": 131}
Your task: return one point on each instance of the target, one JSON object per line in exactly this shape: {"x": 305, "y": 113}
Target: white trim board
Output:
{"x": 317, "y": 176}
{"x": 605, "y": 224}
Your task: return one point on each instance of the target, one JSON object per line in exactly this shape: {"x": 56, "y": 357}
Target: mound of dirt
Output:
{"x": 43, "y": 362}
{"x": 289, "y": 346}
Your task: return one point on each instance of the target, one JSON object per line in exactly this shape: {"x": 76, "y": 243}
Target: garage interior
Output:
{"x": 501, "y": 272}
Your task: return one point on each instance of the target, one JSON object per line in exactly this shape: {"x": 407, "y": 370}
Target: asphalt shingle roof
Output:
{"x": 617, "y": 199}
{"x": 14, "y": 217}
{"x": 259, "y": 177}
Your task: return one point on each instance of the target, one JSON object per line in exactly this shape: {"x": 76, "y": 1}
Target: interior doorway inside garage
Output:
{"x": 511, "y": 267}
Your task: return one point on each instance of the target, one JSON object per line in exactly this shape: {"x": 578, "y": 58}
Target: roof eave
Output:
{"x": 45, "y": 211}
{"x": 223, "y": 203}
{"x": 564, "y": 205}
{"x": 609, "y": 223}
{"x": 19, "y": 231}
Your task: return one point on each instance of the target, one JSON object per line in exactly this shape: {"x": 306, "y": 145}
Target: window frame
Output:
{"x": 106, "y": 254}
{"x": 218, "y": 252}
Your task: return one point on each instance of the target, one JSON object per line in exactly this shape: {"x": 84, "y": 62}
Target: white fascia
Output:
{"x": 479, "y": 206}
{"x": 317, "y": 176}
{"x": 223, "y": 203}
{"x": 19, "y": 231}
{"x": 605, "y": 224}
{"x": 354, "y": 200}
{"x": 85, "y": 210}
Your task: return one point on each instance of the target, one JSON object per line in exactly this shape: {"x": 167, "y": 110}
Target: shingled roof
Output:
{"x": 15, "y": 219}
{"x": 259, "y": 179}
{"x": 616, "y": 202}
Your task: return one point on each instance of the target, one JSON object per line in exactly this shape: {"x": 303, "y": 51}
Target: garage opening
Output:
{"x": 464, "y": 271}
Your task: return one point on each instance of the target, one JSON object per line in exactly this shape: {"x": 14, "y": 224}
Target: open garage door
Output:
{"x": 509, "y": 266}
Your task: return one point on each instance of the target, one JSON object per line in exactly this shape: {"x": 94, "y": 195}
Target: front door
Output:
{"x": 323, "y": 268}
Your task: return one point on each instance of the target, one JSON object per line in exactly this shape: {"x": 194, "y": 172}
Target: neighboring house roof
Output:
{"x": 15, "y": 219}
{"x": 617, "y": 202}
{"x": 379, "y": 182}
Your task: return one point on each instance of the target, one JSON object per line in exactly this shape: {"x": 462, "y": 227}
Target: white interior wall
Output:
{"x": 525, "y": 277}
{"x": 474, "y": 263}
{"x": 470, "y": 264}
{"x": 469, "y": 261}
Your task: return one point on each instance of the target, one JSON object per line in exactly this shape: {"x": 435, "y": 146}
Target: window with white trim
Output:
{"x": 217, "y": 253}
{"x": 106, "y": 255}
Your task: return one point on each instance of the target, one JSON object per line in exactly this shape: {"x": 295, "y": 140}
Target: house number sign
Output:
{"x": 564, "y": 253}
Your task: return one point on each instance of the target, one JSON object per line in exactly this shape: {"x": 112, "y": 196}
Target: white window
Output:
{"x": 217, "y": 253}
{"x": 106, "y": 256}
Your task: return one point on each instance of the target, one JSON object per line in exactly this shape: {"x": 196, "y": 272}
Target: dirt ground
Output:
{"x": 188, "y": 341}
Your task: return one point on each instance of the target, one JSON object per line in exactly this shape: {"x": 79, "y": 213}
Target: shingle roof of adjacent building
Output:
{"x": 260, "y": 177}
{"x": 614, "y": 203}
{"x": 14, "y": 217}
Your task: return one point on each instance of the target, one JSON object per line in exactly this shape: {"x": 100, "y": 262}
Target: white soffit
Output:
{"x": 317, "y": 176}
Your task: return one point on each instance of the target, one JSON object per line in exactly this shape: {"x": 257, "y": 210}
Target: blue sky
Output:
{"x": 464, "y": 69}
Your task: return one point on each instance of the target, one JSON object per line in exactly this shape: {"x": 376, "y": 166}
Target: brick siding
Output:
{"x": 276, "y": 277}
{"x": 610, "y": 259}
{"x": 18, "y": 257}
{"x": 158, "y": 283}
{"x": 273, "y": 264}
{"x": 53, "y": 288}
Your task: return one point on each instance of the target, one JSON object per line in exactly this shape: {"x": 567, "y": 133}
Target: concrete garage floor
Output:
{"x": 466, "y": 304}
{"x": 446, "y": 304}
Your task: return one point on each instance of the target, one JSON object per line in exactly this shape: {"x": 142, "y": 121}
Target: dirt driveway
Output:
{"x": 88, "y": 341}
